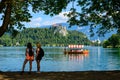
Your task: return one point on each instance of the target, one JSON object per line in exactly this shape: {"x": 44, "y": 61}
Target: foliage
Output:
{"x": 102, "y": 13}
{"x": 113, "y": 41}
{"x": 15, "y": 12}
{"x": 46, "y": 37}
{"x": 106, "y": 43}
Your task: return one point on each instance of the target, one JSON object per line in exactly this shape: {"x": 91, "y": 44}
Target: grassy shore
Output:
{"x": 80, "y": 75}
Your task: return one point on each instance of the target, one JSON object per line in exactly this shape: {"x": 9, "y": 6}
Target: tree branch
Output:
{"x": 6, "y": 20}
{"x": 2, "y": 5}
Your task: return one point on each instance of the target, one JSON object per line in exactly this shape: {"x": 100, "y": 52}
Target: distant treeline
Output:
{"x": 46, "y": 36}
{"x": 112, "y": 42}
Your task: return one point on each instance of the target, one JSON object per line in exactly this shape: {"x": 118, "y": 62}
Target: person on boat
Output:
{"x": 39, "y": 56}
{"x": 29, "y": 56}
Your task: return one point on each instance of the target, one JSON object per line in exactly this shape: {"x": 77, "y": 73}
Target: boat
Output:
{"x": 76, "y": 52}
{"x": 75, "y": 49}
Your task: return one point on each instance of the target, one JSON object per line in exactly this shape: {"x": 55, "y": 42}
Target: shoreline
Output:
{"x": 71, "y": 75}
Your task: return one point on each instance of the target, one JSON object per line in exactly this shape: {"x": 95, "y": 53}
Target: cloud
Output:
{"x": 61, "y": 18}
{"x": 47, "y": 20}
{"x": 35, "y": 22}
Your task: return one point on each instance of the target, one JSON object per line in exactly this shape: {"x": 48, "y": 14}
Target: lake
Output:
{"x": 98, "y": 59}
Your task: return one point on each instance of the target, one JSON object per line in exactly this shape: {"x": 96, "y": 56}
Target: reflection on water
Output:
{"x": 76, "y": 57}
{"x": 55, "y": 60}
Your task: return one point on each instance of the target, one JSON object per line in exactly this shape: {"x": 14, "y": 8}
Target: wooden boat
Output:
{"x": 75, "y": 49}
{"x": 77, "y": 52}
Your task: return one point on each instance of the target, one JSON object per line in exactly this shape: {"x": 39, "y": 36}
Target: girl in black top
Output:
{"x": 39, "y": 55}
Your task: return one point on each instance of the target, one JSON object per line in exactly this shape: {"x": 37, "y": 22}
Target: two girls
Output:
{"x": 29, "y": 56}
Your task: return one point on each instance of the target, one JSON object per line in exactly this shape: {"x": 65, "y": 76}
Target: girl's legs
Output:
{"x": 38, "y": 65}
{"x": 30, "y": 62}
{"x": 25, "y": 61}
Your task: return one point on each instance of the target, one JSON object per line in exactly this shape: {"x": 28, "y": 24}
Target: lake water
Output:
{"x": 98, "y": 59}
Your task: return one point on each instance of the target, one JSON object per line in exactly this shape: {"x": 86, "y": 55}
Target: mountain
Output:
{"x": 59, "y": 29}
{"x": 84, "y": 29}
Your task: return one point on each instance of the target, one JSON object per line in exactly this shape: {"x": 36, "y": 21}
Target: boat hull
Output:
{"x": 76, "y": 52}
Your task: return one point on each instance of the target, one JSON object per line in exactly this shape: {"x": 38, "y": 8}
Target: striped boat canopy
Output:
{"x": 75, "y": 46}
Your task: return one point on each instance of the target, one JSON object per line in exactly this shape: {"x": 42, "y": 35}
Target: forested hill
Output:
{"x": 47, "y": 37}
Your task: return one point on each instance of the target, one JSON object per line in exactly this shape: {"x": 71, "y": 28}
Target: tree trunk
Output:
{"x": 6, "y": 20}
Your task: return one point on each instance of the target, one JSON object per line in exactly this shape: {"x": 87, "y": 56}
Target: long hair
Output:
{"x": 29, "y": 46}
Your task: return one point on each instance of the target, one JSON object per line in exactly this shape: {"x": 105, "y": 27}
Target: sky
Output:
{"x": 40, "y": 19}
